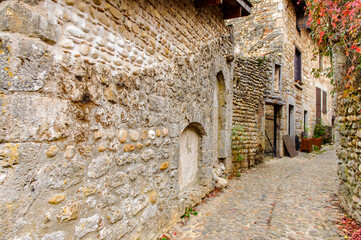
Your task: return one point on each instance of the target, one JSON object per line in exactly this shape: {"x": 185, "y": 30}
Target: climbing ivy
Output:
{"x": 337, "y": 23}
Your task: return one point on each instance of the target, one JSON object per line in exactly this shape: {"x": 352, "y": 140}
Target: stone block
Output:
{"x": 117, "y": 179}
{"x": 69, "y": 151}
{"x": 139, "y": 204}
{"x": 56, "y": 199}
{"x": 358, "y": 133}
{"x": 86, "y": 225}
{"x": 98, "y": 167}
{"x": 24, "y": 64}
{"x": 122, "y": 136}
{"x": 16, "y": 17}
{"x": 151, "y": 134}
{"x": 33, "y": 118}
{"x": 81, "y": 6}
{"x": 153, "y": 197}
{"x": 164, "y": 165}
{"x": 129, "y": 147}
{"x": 98, "y": 2}
{"x": 60, "y": 235}
{"x": 67, "y": 44}
{"x": 115, "y": 214}
{"x": 9, "y": 154}
{"x": 63, "y": 175}
{"x": 134, "y": 136}
{"x": 75, "y": 31}
{"x": 147, "y": 155}
{"x": 52, "y": 151}
{"x": 30, "y": 2}
{"x": 69, "y": 2}
{"x": 69, "y": 212}
{"x": 102, "y": 148}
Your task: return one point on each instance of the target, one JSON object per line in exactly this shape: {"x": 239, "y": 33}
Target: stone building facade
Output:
{"x": 249, "y": 110}
{"x": 114, "y": 114}
{"x": 293, "y": 97}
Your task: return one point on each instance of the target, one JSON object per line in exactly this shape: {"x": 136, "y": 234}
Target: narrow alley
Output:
{"x": 286, "y": 198}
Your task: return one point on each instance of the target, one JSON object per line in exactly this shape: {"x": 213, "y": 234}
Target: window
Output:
{"x": 324, "y": 102}
{"x": 291, "y": 123}
{"x": 302, "y": 20}
{"x": 305, "y": 122}
{"x": 318, "y": 104}
{"x": 291, "y": 120}
{"x": 320, "y": 61}
{"x": 276, "y": 78}
{"x": 298, "y": 66}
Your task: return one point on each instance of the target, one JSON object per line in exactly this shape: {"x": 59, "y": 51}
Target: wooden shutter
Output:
{"x": 318, "y": 104}
{"x": 298, "y": 65}
{"x": 302, "y": 20}
{"x": 324, "y": 102}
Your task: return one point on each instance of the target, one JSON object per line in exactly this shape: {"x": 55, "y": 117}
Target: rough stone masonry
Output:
{"x": 95, "y": 99}
{"x": 348, "y": 135}
{"x": 251, "y": 81}
{"x": 272, "y": 34}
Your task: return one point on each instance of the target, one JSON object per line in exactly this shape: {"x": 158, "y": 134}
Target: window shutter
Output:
{"x": 302, "y": 20}
{"x": 298, "y": 65}
{"x": 324, "y": 102}
{"x": 318, "y": 104}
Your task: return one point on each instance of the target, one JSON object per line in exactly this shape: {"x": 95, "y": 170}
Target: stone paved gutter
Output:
{"x": 281, "y": 199}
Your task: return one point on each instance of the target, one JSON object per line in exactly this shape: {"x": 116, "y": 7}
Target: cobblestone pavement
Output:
{"x": 286, "y": 198}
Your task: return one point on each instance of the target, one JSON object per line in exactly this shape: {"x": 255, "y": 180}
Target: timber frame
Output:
{"x": 230, "y": 8}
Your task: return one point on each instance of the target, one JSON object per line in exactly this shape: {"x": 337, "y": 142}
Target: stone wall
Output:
{"x": 251, "y": 81}
{"x": 271, "y": 32}
{"x": 95, "y": 96}
{"x": 348, "y": 137}
{"x": 349, "y": 150}
{"x": 261, "y": 33}
{"x": 303, "y": 96}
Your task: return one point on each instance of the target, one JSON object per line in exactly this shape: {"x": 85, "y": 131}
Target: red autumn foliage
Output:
{"x": 350, "y": 228}
{"x": 337, "y": 22}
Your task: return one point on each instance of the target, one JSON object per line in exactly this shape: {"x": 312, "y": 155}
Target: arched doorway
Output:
{"x": 189, "y": 155}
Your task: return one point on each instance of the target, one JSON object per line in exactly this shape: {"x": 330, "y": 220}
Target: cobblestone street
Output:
{"x": 281, "y": 199}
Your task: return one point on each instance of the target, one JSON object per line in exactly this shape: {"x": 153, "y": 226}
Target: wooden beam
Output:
{"x": 206, "y": 3}
{"x": 230, "y": 6}
{"x": 232, "y": 12}
{"x": 246, "y": 5}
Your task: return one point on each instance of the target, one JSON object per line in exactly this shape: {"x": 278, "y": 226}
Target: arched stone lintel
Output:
{"x": 198, "y": 128}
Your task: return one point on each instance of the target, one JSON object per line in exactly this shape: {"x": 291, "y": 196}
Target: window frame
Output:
{"x": 324, "y": 102}
{"x": 298, "y": 65}
{"x": 275, "y": 67}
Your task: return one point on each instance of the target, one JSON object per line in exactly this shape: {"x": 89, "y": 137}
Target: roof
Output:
{"x": 230, "y": 8}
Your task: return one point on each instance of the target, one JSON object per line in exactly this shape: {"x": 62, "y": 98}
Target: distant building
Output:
{"x": 275, "y": 91}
